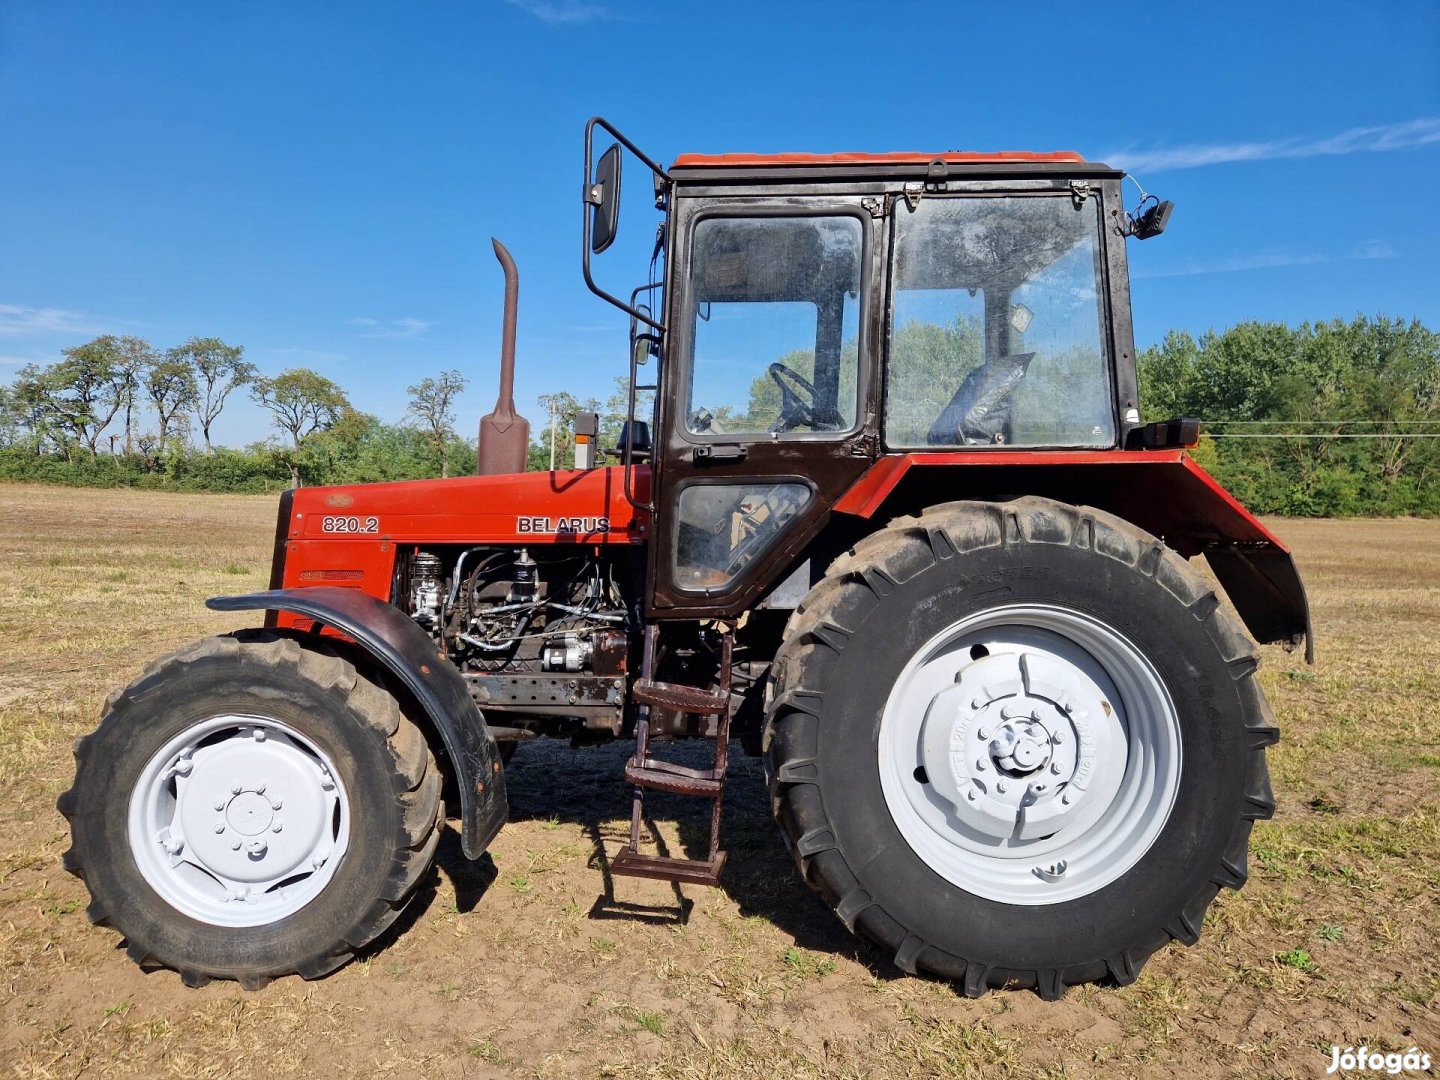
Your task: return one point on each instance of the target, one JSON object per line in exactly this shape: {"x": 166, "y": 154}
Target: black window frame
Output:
{"x": 1107, "y": 314}
{"x": 681, "y": 343}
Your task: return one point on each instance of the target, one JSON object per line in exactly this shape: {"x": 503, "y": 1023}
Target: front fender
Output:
{"x": 407, "y": 652}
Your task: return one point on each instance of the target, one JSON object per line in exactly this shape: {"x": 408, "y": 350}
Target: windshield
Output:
{"x": 996, "y": 329}
{"x": 775, "y": 309}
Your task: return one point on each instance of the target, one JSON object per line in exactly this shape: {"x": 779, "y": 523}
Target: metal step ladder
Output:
{"x": 643, "y": 771}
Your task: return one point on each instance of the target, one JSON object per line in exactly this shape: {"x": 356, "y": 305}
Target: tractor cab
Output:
{"x": 818, "y": 313}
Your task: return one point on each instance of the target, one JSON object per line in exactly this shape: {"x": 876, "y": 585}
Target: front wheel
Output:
{"x": 250, "y": 808}
{"x": 1017, "y": 744}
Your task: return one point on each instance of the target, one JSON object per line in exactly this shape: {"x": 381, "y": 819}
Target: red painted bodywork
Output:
{"x": 903, "y": 157}
{"x": 460, "y": 510}
{"x": 1163, "y": 491}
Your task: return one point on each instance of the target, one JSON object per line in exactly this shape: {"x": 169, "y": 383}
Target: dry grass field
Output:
{"x": 533, "y": 963}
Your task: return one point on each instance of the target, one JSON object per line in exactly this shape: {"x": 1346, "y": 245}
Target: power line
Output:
{"x": 1324, "y": 435}
{"x": 1336, "y": 423}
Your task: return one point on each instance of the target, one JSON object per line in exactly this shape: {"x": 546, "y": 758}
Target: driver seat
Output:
{"x": 979, "y": 413}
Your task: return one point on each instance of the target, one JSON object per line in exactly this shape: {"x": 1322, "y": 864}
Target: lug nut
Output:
{"x": 219, "y": 804}
{"x": 983, "y": 733}
{"x": 259, "y": 789}
{"x": 980, "y": 764}
{"x": 236, "y": 790}
{"x": 1055, "y": 767}
{"x": 235, "y": 846}
{"x": 256, "y": 847}
{"x": 277, "y": 826}
{"x": 277, "y": 804}
{"x": 1000, "y": 787}
{"x": 219, "y": 827}
{"x": 1065, "y": 799}
{"x": 971, "y": 795}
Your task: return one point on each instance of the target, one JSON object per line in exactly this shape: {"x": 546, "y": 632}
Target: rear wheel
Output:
{"x": 250, "y": 808}
{"x": 1018, "y": 744}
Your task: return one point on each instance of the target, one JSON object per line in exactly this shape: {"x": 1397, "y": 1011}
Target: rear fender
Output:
{"x": 407, "y": 652}
{"x": 1164, "y": 492}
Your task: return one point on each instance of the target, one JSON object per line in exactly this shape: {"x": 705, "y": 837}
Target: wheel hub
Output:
{"x": 1023, "y": 745}
{"x": 249, "y": 813}
{"x": 238, "y": 821}
{"x": 1029, "y": 754}
{"x": 1012, "y": 745}
{"x": 265, "y": 827}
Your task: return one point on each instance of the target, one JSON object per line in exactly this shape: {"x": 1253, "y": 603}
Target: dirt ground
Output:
{"x": 534, "y": 963}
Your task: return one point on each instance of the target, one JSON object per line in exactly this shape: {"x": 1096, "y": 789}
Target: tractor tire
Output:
{"x": 251, "y": 808}
{"x": 1017, "y": 744}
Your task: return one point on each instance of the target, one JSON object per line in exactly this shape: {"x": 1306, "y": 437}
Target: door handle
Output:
{"x": 714, "y": 454}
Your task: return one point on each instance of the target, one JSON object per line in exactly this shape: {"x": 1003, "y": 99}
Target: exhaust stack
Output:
{"x": 505, "y": 435}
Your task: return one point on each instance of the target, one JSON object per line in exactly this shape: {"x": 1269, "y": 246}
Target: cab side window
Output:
{"x": 775, "y": 308}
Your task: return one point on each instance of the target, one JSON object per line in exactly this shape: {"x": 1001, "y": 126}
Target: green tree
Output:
{"x": 92, "y": 384}
{"x": 302, "y": 402}
{"x": 169, "y": 383}
{"x": 219, "y": 370}
{"x": 431, "y": 402}
{"x": 1285, "y": 403}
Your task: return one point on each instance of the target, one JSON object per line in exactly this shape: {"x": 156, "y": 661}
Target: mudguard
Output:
{"x": 1165, "y": 492}
{"x": 407, "y": 652}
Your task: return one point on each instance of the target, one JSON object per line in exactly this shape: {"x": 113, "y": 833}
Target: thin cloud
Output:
{"x": 1266, "y": 260}
{"x": 393, "y": 328}
{"x": 1404, "y": 136}
{"x": 17, "y": 320}
{"x": 562, "y": 12}
{"x": 1374, "y": 249}
{"x": 19, "y": 361}
{"x": 1262, "y": 260}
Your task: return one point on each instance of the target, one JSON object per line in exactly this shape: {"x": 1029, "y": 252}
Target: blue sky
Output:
{"x": 318, "y": 182}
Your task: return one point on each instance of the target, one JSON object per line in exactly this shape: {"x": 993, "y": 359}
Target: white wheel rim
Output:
{"x": 239, "y": 821}
{"x": 1029, "y": 754}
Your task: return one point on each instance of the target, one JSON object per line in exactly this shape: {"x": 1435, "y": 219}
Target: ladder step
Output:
{"x": 690, "y": 871}
{"x": 662, "y": 776}
{"x": 690, "y": 699}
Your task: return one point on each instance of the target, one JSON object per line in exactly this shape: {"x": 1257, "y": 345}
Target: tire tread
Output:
{"x": 861, "y": 578}
{"x": 415, "y": 777}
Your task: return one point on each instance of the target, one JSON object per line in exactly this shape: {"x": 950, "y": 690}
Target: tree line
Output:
{"x": 1323, "y": 419}
{"x": 118, "y": 411}
{"x": 1331, "y": 418}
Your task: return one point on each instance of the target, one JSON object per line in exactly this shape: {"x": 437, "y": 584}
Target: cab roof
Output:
{"x": 901, "y": 157}
{"x": 727, "y": 169}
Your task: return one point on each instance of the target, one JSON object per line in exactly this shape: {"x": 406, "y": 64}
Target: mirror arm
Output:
{"x": 626, "y": 450}
{"x": 590, "y": 126}
{"x": 635, "y": 302}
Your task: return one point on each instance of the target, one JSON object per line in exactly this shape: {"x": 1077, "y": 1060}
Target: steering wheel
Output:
{"x": 797, "y": 410}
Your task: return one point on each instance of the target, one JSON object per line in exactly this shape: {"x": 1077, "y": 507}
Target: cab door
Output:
{"x": 767, "y": 405}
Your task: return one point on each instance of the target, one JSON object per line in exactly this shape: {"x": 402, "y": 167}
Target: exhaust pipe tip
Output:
{"x": 504, "y": 440}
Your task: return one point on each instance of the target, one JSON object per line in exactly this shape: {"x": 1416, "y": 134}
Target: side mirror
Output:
{"x": 604, "y": 200}
{"x": 643, "y": 347}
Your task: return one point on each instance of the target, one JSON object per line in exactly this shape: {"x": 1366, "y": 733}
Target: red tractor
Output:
{"x": 900, "y": 529}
